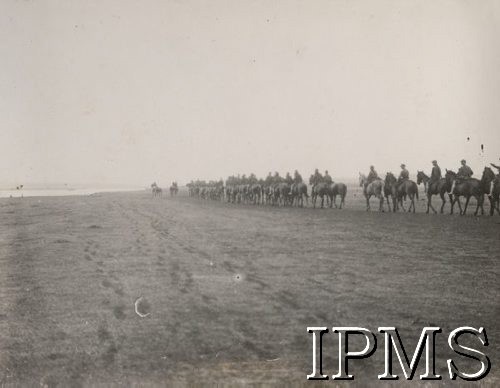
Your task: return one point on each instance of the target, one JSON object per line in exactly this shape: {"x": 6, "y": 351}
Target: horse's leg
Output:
{"x": 466, "y": 204}
{"x": 459, "y": 203}
{"x": 480, "y": 201}
{"x": 477, "y": 207}
{"x": 443, "y": 199}
{"x": 381, "y": 203}
{"x": 430, "y": 203}
{"x": 388, "y": 205}
{"x": 402, "y": 204}
{"x": 367, "y": 202}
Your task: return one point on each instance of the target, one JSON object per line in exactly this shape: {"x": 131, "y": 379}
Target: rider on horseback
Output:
{"x": 296, "y": 177}
{"x": 327, "y": 178}
{"x": 435, "y": 174}
{"x": 269, "y": 179}
{"x": 276, "y": 178}
{"x": 464, "y": 173}
{"x": 252, "y": 179}
{"x": 404, "y": 175}
{"x": 288, "y": 179}
{"x": 316, "y": 178}
{"x": 372, "y": 175}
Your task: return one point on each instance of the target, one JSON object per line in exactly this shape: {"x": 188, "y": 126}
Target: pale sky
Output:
{"x": 129, "y": 92}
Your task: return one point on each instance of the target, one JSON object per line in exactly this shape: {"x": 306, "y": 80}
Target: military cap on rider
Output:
{"x": 463, "y": 161}
{"x": 434, "y": 162}
{"x": 403, "y": 165}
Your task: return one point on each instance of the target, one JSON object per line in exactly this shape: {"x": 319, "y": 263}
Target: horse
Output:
{"x": 156, "y": 191}
{"x": 390, "y": 190}
{"x": 493, "y": 183}
{"x": 321, "y": 189}
{"x": 282, "y": 194}
{"x": 440, "y": 187}
{"x": 255, "y": 193}
{"x": 299, "y": 191}
{"x": 409, "y": 189}
{"x": 375, "y": 188}
{"x": 338, "y": 189}
{"x": 173, "y": 190}
{"x": 467, "y": 188}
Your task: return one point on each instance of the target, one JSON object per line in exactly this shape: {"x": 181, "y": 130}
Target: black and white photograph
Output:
{"x": 249, "y": 193}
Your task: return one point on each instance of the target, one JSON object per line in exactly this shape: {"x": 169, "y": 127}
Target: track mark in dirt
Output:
{"x": 188, "y": 283}
{"x": 160, "y": 261}
{"x": 256, "y": 280}
{"x": 110, "y": 354}
{"x": 174, "y": 273}
{"x": 208, "y": 299}
{"x": 119, "y": 311}
{"x": 118, "y": 290}
{"x": 228, "y": 266}
{"x": 288, "y": 299}
{"x": 102, "y": 333}
{"x": 106, "y": 283}
{"x": 106, "y": 339}
{"x": 87, "y": 257}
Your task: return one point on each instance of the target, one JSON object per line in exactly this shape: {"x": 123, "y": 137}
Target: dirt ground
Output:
{"x": 228, "y": 290}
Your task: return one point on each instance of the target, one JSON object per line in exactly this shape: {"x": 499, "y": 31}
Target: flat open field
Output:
{"x": 229, "y": 289}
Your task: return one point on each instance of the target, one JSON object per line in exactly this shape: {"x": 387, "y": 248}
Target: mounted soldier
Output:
{"x": 327, "y": 178}
{"x": 276, "y": 178}
{"x": 288, "y": 179}
{"x": 464, "y": 172}
{"x": 316, "y": 178}
{"x": 269, "y": 179}
{"x": 435, "y": 173}
{"x": 404, "y": 175}
{"x": 296, "y": 177}
{"x": 372, "y": 175}
{"x": 252, "y": 179}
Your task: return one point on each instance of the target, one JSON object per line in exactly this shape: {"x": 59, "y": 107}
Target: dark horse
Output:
{"x": 282, "y": 194}
{"x": 322, "y": 190}
{"x": 255, "y": 192}
{"x": 299, "y": 191}
{"x": 390, "y": 190}
{"x": 466, "y": 188}
{"x": 493, "y": 191}
{"x": 440, "y": 187}
{"x": 173, "y": 190}
{"x": 399, "y": 191}
{"x": 338, "y": 189}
